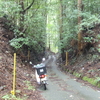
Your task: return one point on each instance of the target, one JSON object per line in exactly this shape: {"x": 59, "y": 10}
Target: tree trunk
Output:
{"x": 22, "y": 15}
{"x": 79, "y": 11}
{"x": 80, "y": 8}
{"x": 60, "y": 22}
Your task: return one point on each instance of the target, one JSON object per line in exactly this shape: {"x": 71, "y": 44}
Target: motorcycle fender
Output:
{"x": 44, "y": 82}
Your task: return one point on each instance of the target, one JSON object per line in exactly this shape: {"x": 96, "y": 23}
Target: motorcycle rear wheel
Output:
{"x": 45, "y": 88}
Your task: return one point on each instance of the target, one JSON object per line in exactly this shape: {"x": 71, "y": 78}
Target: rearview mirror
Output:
{"x": 30, "y": 62}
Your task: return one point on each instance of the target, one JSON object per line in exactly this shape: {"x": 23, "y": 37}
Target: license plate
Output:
{"x": 41, "y": 70}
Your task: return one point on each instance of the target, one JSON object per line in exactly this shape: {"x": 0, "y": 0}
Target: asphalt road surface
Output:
{"x": 63, "y": 87}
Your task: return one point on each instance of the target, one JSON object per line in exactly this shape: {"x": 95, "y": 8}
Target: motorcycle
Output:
{"x": 41, "y": 74}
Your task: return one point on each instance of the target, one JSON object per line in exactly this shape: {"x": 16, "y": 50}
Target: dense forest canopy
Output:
{"x": 54, "y": 24}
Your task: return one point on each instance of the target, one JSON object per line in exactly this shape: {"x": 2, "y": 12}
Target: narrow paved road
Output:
{"x": 62, "y": 87}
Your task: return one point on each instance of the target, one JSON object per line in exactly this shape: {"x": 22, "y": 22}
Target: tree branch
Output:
{"x": 29, "y": 6}
{"x": 23, "y": 31}
{"x": 34, "y": 13}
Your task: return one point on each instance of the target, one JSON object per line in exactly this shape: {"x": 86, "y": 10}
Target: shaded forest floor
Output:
{"x": 25, "y": 81}
{"x": 25, "y": 78}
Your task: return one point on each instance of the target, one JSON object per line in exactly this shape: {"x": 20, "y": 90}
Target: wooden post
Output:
{"x": 14, "y": 75}
{"x": 28, "y": 55}
{"x": 66, "y": 58}
{"x": 79, "y": 42}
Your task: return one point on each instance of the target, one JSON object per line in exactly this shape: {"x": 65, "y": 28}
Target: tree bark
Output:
{"x": 29, "y": 6}
{"x": 60, "y": 22}
{"x": 22, "y": 13}
{"x": 80, "y": 8}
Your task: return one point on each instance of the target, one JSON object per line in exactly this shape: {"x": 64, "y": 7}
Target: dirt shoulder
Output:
{"x": 84, "y": 69}
{"x": 25, "y": 79}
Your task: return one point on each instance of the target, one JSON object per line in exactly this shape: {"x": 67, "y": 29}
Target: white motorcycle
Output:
{"x": 41, "y": 74}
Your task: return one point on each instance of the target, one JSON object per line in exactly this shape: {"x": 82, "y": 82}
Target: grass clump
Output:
{"x": 12, "y": 97}
{"x": 93, "y": 81}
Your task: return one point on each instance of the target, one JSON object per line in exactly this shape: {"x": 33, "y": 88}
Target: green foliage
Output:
{"x": 6, "y": 97}
{"x": 10, "y": 9}
{"x": 95, "y": 57}
{"x": 46, "y": 13}
{"x": 19, "y": 42}
{"x": 90, "y": 80}
{"x": 30, "y": 30}
{"x": 95, "y": 82}
{"x": 88, "y": 39}
{"x": 98, "y": 36}
{"x": 98, "y": 48}
{"x": 90, "y": 15}
{"x": 77, "y": 74}
{"x": 98, "y": 79}
{"x": 12, "y": 97}
{"x": 92, "y": 70}
{"x": 29, "y": 86}
{"x": 92, "y": 6}
{"x": 89, "y": 21}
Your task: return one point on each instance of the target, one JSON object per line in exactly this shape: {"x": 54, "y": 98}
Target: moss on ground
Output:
{"x": 94, "y": 81}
